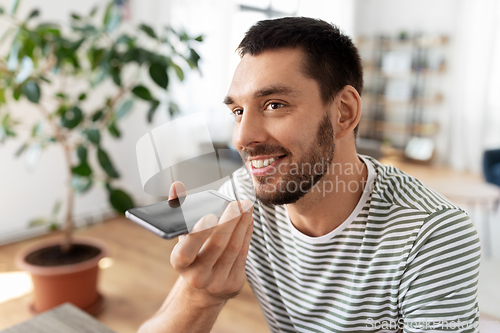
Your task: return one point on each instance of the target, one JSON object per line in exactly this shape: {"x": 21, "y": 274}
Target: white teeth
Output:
{"x": 262, "y": 163}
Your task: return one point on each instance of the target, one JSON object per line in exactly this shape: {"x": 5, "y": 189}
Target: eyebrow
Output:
{"x": 271, "y": 90}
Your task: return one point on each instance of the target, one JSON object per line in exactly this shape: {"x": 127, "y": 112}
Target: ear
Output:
{"x": 348, "y": 107}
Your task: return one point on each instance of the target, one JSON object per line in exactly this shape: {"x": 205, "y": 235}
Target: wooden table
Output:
{"x": 66, "y": 318}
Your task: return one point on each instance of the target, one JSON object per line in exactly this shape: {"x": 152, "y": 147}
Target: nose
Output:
{"x": 250, "y": 130}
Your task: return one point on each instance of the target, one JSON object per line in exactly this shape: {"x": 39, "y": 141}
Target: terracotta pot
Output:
{"x": 74, "y": 283}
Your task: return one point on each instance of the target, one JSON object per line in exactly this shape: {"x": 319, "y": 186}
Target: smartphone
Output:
{"x": 171, "y": 218}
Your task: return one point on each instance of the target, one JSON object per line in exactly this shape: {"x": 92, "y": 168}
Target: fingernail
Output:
{"x": 246, "y": 205}
{"x": 171, "y": 193}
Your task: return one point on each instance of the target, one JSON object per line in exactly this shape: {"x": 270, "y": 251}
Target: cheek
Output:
{"x": 292, "y": 136}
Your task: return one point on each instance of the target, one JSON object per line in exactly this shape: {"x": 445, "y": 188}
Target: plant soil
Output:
{"x": 53, "y": 255}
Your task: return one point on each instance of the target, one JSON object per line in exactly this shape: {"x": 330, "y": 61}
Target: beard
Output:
{"x": 292, "y": 186}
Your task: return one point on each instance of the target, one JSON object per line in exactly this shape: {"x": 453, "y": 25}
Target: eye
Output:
{"x": 274, "y": 106}
{"x": 237, "y": 112}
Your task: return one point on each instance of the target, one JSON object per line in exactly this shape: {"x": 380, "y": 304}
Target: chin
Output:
{"x": 271, "y": 195}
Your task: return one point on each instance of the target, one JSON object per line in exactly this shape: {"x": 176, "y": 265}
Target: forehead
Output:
{"x": 282, "y": 67}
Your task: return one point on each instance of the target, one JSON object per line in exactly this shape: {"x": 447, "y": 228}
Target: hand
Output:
{"x": 211, "y": 259}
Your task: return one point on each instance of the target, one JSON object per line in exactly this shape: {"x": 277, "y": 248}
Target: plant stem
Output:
{"x": 63, "y": 140}
{"x": 68, "y": 220}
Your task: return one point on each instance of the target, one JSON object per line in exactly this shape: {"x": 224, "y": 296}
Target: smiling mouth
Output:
{"x": 264, "y": 162}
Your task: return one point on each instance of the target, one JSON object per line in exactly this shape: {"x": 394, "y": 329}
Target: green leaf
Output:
{"x": 98, "y": 77}
{"x": 81, "y": 152}
{"x": 49, "y": 31}
{"x": 124, "y": 109}
{"x": 33, "y": 155}
{"x": 120, "y": 201}
{"x": 178, "y": 71}
{"x": 60, "y": 111}
{"x": 34, "y": 13}
{"x": 32, "y": 91}
{"x": 97, "y": 115}
{"x": 142, "y": 92}
{"x": 173, "y": 109}
{"x": 132, "y": 54}
{"x": 125, "y": 39}
{"x": 76, "y": 16}
{"x": 152, "y": 110}
{"x": 13, "y": 6}
{"x": 82, "y": 170}
{"x": 93, "y": 11}
{"x": 25, "y": 71}
{"x": 21, "y": 149}
{"x": 113, "y": 130}
{"x": 72, "y": 117}
{"x": 193, "y": 58}
{"x": 115, "y": 75}
{"x": 158, "y": 73}
{"x": 56, "y": 208}
{"x": 37, "y": 222}
{"x": 183, "y": 36}
{"x": 199, "y": 38}
{"x": 43, "y": 78}
{"x": 6, "y": 128}
{"x": 36, "y": 129}
{"x": 106, "y": 164}
{"x": 93, "y": 135}
{"x": 81, "y": 184}
{"x": 107, "y": 13}
{"x": 148, "y": 30}
{"x": 82, "y": 96}
{"x": 95, "y": 56}
{"x": 1, "y": 10}
{"x": 13, "y": 59}
{"x": 112, "y": 17}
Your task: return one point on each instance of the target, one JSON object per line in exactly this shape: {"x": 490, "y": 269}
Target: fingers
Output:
{"x": 213, "y": 256}
{"x": 177, "y": 189}
{"x": 240, "y": 261}
{"x": 234, "y": 246}
{"x": 185, "y": 251}
{"x": 218, "y": 240}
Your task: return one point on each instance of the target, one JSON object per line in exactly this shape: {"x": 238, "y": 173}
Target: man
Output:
{"x": 337, "y": 241}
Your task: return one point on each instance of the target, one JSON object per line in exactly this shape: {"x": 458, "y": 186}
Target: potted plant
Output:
{"x": 42, "y": 58}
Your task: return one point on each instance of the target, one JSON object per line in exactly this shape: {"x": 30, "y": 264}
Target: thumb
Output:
{"x": 177, "y": 189}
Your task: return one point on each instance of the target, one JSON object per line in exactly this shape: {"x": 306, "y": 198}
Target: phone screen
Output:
{"x": 176, "y": 217}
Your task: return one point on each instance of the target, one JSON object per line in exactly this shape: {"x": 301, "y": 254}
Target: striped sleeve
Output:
{"x": 438, "y": 290}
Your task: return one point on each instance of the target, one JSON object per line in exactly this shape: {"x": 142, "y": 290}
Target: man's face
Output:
{"x": 283, "y": 129}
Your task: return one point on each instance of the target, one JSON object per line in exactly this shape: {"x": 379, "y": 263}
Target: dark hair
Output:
{"x": 331, "y": 57}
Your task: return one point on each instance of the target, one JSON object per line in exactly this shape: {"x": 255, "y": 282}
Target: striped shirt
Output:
{"x": 405, "y": 260}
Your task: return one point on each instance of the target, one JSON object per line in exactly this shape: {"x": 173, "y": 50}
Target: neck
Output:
{"x": 332, "y": 199}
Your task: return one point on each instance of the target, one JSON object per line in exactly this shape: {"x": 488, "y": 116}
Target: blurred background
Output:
{"x": 430, "y": 107}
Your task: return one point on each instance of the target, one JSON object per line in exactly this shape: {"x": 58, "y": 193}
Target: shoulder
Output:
{"x": 396, "y": 188}
{"x": 405, "y": 209}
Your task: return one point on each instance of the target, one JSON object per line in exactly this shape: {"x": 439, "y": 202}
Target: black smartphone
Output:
{"x": 171, "y": 218}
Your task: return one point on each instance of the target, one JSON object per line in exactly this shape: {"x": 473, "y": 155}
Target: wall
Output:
{"x": 392, "y": 16}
